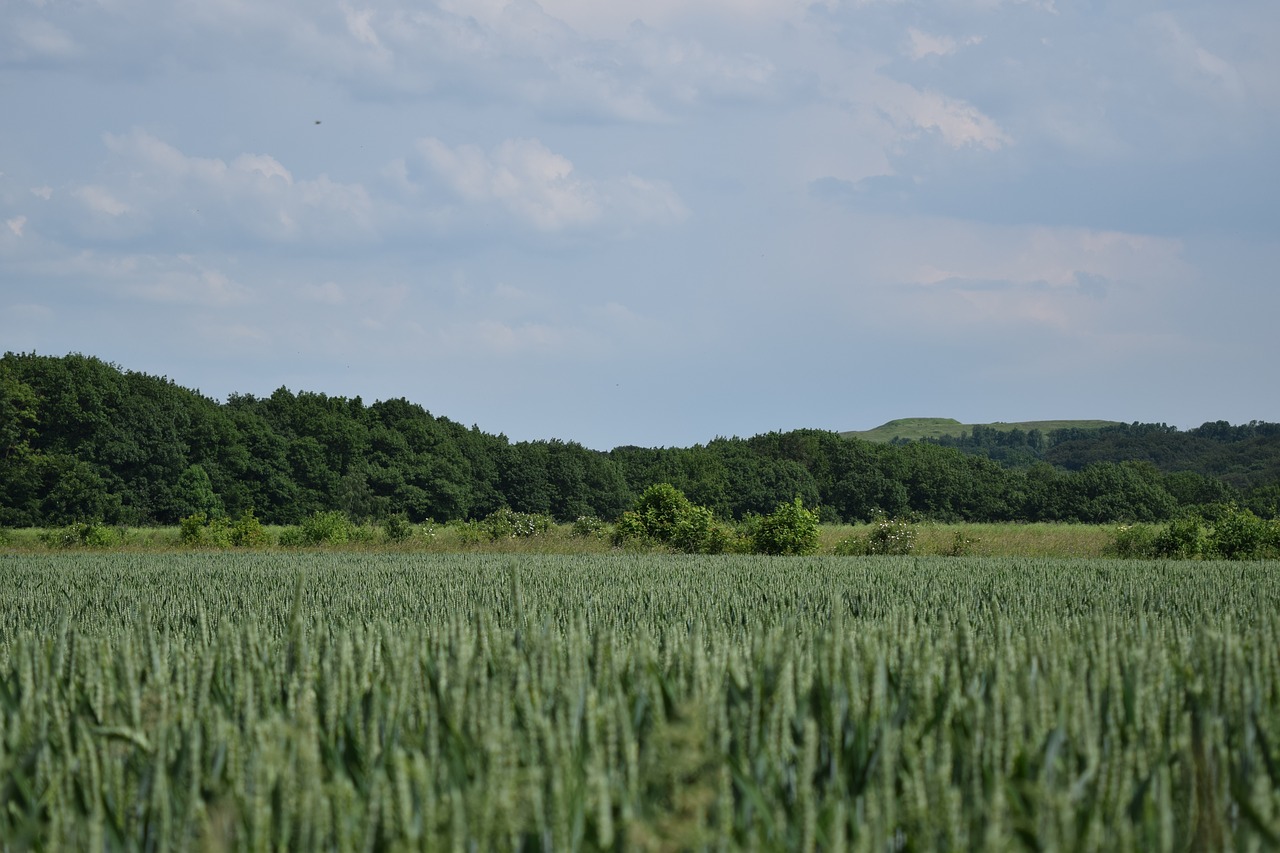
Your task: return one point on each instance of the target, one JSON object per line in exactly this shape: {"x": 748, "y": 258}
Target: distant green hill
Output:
{"x": 917, "y": 428}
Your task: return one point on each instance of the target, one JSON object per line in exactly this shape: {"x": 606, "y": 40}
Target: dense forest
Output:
{"x": 82, "y": 439}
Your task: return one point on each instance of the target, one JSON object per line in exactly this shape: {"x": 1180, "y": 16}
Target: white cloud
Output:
{"x": 100, "y": 200}
{"x": 611, "y": 20}
{"x": 205, "y": 197}
{"x": 16, "y": 225}
{"x": 539, "y": 187}
{"x": 924, "y": 44}
{"x": 263, "y": 165}
{"x": 960, "y": 279}
{"x": 957, "y": 122}
{"x": 522, "y": 175}
{"x": 186, "y": 284}
{"x": 45, "y": 192}
{"x": 1196, "y": 66}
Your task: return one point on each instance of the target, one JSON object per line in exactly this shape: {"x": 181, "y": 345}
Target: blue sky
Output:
{"x": 655, "y": 222}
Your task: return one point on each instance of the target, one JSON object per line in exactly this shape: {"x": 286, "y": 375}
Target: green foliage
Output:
{"x": 895, "y": 536}
{"x": 509, "y": 524}
{"x": 471, "y": 532}
{"x": 191, "y": 528}
{"x": 961, "y": 544}
{"x": 1239, "y": 535}
{"x": 664, "y": 516}
{"x": 81, "y": 439}
{"x": 1134, "y": 541}
{"x": 697, "y": 532}
{"x": 326, "y": 528}
{"x": 790, "y": 529}
{"x": 82, "y": 534}
{"x": 589, "y": 526}
{"x": 888, "y": 536}
{"x": 1181, "y": 539}
{"x": 247, "y": 531}
{"x": 200, "y": 531}
{"x": 1232, "y": 534}
{"x": 293, "y": 537}
{"x": 397, "y": 528}
{"x": 194, "y": 493}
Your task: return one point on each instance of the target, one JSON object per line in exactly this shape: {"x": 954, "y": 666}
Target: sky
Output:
{"x": 655, "y": 222}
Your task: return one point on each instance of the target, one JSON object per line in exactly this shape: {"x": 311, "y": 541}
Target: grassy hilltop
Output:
{"x": 917, "y": 428}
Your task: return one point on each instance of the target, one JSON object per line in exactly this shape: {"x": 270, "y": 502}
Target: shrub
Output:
{"x": 696, "y": 532}
{"x": 197, "y": 530}
{"x": 191, "y": 528}
{"x": 292, "y": 537}
{"x": 961, "y": 545}
{"x": 397, "y": 528}
{"x": 587, "y": 526}
{"x": 248, "y": 532}
{"x": 82, "y": 534}
{"x": 789, "y": 529}
{"x": 891, "y": 536}
{"x": 663, "y": 515}
{"x": 630, "y": 529}
{"x": 1238, "y": 535}
{"x": 1133, "y": 542}
{"x": 509, "y": 524}
{"x": 327, "y": 528}
{"x": 471, "y": 532}
{"x": 887, "y": 536}
{"x": 1181, "y": 539}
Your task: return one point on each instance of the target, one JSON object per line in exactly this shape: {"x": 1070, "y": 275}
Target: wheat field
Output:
{"x": 241, "y": 701}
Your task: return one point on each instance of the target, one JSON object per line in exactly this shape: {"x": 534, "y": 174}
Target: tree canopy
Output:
{"x": 82, "y": 439}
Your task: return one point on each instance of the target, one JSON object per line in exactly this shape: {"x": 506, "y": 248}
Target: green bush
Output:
{"x": 398, "y": 528}
{"x": 790, "y": 529}
{"x": 663, "y": 515}
{"x": 248, "y": 532}
{"x": 1133, "y": 542}
{"x": 82, "y": 534}
{"x": 1181, "y": 539}
{"x": 891, "y": 536}
{"x": 1239, "y": 535}
{"x": 588, "y": 526}
{"x": 961, "y": 545}
{"x": 470, "y": 532}
{"x": 199, "y": 531}
{"x": 696, "y": 532}
{"x": 630, "y": 529}
{"x": 509, "y": 524}
{"x": 293, "y": 537}
{"x": 887, "y": 536}
{"x": 327, "y": 528}
{"x": 191, "y": 528}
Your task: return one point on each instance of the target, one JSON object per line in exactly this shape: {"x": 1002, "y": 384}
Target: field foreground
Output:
{"x": 407, "y": 701}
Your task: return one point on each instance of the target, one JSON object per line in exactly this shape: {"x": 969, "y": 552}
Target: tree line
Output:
{"x": 82, "y": 439}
